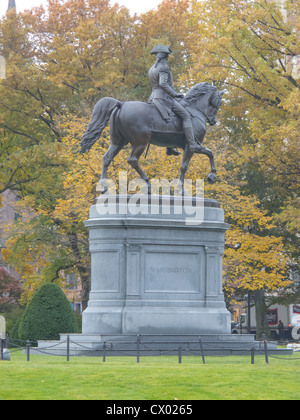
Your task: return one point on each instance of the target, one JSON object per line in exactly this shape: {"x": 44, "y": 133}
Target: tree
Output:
{"x": 83, "y": 50}
{"x": 29, "y": 102}
{"x": 48, "y": 314}
{"x": 247, "y": 46}
{"x": 251, "y": 54}
{"x": 74, "y": 54}
{"x": 10, "y": 290}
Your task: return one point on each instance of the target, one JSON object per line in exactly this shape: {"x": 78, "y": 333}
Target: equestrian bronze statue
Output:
{"x": 169, "y": 119}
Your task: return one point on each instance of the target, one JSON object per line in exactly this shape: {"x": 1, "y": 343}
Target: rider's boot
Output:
{"x": 190, "y": 138}
{"x": 171, "y": 151}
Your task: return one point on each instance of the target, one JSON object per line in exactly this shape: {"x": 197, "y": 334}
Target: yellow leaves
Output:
{"x": 292, "y": 103}
{"x": 6, "y": 253}
{"x": 290, "y": 215}
{"x": 241, "y": 44}
{"x": 256, "y": 262}
{"x": 86, "y": 49}
{"x": 31, "y": 283}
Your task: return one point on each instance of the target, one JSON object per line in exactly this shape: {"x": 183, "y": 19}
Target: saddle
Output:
{"x": 164, "y": 120}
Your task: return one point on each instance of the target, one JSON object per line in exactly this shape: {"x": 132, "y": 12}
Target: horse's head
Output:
{"x": 207, "y": 99}
{"x": 213, "y": 106}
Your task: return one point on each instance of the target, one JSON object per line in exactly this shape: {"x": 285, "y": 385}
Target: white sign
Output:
{"x": 2, "y": 327}
{"x": 296, "y": 332}
{"x": 2, "y": 67}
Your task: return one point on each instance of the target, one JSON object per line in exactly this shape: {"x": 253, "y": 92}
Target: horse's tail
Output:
{"x": 101, "y": 114}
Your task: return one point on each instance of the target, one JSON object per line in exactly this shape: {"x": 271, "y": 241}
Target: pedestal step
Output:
{"x": 155, "y": 345}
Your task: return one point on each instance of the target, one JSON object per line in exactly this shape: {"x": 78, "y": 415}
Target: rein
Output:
{"x": 205, "y": 115}
{"x": 190, "y": 109}
{"x": 197, "y": 116}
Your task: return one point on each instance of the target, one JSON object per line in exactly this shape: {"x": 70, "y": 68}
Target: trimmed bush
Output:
{"x": 48, "y": 314}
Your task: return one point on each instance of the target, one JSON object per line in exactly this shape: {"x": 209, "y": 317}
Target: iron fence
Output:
{"x": 138, "y": 348}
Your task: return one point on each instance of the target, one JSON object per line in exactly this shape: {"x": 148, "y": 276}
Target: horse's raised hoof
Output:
{"x": 102, "y": 189}
{"x": 211, "y": 178}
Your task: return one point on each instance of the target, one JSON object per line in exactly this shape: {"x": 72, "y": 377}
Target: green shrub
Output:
{"x": 48, "y": 314}
{"x": 14, "y": 332}
{"x": 13, "y": 317}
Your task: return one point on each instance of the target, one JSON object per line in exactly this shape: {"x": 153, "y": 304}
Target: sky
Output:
{"x": 135, "y": 6}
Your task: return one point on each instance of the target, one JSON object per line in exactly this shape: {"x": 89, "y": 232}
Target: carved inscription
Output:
{"x": 176, "y": 270}
{"x": 171, "y": 272}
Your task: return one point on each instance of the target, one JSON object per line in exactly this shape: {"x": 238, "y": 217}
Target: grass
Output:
{"x": 154, "y": 378}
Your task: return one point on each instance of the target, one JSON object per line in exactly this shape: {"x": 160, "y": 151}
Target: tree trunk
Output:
{"x": 83, "y": 270}
{"x": 85, "y": 282}
{"x": 262, "y": 326}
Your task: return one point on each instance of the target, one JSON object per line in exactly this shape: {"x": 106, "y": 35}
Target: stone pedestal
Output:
{"x": 156, "y": 267}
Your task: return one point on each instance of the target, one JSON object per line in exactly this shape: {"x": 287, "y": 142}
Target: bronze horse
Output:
{"x": 140, "y": 124}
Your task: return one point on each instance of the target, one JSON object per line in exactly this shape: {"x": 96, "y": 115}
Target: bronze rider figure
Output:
{"x": 164, "y": 96}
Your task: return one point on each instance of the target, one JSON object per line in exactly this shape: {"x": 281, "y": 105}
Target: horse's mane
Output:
{"x": 200, "y": 89}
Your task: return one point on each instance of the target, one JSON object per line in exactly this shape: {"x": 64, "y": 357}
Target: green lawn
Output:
{"x": 154, "y": 378}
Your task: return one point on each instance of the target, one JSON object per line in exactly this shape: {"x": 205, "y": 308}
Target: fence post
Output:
{"x": 179, "y": 354}
{"x": 138, "y": 340}
{"x": 202, "y": 352}
{"x": 266, "y": 351}
{"x": 68, "y": 348}
{"x": 104, "y": 351}
{"x": 252, "y": 355}
{"x": 28, "y": 350}
{"x": 1, "y": 349}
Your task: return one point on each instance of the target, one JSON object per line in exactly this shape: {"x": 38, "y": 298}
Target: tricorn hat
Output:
{"x": 161, "y": 49}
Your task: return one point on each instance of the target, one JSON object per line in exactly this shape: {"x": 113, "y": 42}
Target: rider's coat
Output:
{"x": 161, "y": 82}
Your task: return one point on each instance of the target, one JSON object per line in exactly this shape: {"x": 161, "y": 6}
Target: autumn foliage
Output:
{"x": 61, "y": 62}
{"x": 10, "y": 290}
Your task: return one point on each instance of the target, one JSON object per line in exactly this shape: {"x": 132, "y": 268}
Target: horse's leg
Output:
{"x": 187, "y": 156}
{"x": 133, "y": 160}
{"x": 213, "y": 170}
{"x": 107, "y": 159}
